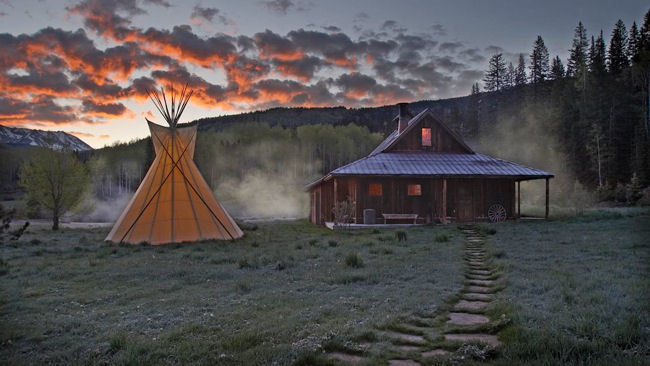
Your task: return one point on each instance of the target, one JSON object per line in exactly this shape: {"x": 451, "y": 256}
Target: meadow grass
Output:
{"x": 282, "y": 293}
{"x": 575, "y": 291}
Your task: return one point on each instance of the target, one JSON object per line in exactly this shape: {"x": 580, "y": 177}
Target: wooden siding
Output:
{"x": 467, "y": 199}
{"x": 441, "y": 140}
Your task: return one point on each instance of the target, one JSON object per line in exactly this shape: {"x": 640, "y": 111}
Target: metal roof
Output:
{"x": 438, "y": 164}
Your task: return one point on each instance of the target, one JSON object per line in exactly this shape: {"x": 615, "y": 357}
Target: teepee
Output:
{"x": 173, "y": 203}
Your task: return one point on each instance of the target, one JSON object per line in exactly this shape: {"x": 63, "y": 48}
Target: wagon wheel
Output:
{"x": 497, "y": 213}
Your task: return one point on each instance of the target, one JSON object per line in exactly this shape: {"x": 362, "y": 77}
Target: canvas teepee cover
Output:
{"x": 173, "y": 203}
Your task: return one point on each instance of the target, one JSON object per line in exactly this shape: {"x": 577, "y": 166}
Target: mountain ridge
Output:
{"x": 57, "y": 140}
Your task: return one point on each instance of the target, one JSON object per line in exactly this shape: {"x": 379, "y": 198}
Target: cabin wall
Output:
{"x": 441, "y": 140}
{"x": 467, "y": 199}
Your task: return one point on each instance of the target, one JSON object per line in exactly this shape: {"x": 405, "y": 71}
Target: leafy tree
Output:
{"x": 495, "y": 76}
{"x": 57, "y": 180}
{"x": 557, "y": 69}
{"x": 578, "y": 53}
{"x": 520, "y": 71}
{"x": 618, "y": 49}
{"x": 539, "y": 61}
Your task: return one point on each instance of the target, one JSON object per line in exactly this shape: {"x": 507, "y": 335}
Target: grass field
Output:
{"x": 577, "y": 291}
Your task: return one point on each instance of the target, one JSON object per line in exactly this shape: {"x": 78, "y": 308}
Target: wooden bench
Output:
{"x": 413, "y": 217}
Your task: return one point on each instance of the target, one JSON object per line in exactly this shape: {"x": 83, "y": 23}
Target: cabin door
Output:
{"x": 464, "y": 204}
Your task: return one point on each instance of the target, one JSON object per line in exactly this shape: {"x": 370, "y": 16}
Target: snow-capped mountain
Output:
{"x": 57, "y": 140}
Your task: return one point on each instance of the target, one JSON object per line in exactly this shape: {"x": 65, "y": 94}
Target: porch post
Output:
{"x": 444, "y": 201}
{"x": 518, "y": 199}
{"x": 357, "y": 204}
{"x": 546, "y": 216}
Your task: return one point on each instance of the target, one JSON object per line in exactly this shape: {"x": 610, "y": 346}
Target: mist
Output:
{"x": 530, "y": 138}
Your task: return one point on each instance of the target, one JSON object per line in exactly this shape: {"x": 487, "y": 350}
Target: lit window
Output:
{"x": 415, "y": 190}
{"x": 426, "y": 137}
{"x": 374, "y": 189}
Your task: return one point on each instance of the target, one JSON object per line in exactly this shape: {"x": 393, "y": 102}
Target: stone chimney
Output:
{"x": 403, "y": 119}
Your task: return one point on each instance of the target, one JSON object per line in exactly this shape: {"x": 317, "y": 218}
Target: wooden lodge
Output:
{"x": 423, "y": 172}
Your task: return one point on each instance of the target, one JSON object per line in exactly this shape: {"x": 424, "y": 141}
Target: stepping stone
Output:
{"x": 480, "y": 277}
{"x": 470, "y": 305}
{"x": 403, "y": 363}
{"x": 472, "y": 263}
{"x": 410, "y": 338}
{"x": 435, "y": 352}
{"x": 344, "y": 357}
{"x": 404, "y": 348}
{"x": 467, "y": 319}
{"x": 488, "y": 339}
{"x": 480, "y": 272}
{"x": 485, "y": 283}
{"x": 480, "y": 289}
{"x": 472, "y": 296}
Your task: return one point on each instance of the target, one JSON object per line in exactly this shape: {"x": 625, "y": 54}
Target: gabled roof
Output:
{"x": 395, "y": 137}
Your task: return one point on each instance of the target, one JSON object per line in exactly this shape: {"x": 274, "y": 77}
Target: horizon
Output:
{"x": 82, "y": 66}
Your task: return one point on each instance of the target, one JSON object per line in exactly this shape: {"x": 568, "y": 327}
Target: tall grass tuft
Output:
{"x": 353, "y": 260}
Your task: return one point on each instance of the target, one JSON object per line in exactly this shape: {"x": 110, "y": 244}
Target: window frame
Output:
{"x": 417, "y": 190}
{"x": 373, "y": 193}
{"x": 430, "y": 140}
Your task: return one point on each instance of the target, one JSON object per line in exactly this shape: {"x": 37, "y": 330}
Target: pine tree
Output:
{"x": 617, "y": 49}
{"x": 557, "y": 69}
{"x": 520, "y": 71}
{"x": 475, "y": 89}
{"x": 539, "y": 61}
{"x": 633, "y": 44}
{"x": 495, "y": 76}
{"x": 578, "y": 53}
{"x": 597, "y": 55}
{"x": 510, "y": 76}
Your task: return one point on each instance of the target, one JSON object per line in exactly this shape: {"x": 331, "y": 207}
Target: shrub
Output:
{"x": 242, "y": 287}
{"x": 313, "y": 242}
{"x": 117, "y": 341}
{"x": 442, "y": 237}
{"x": 401, "y": 235}
{"x": 353, "y": 260}
{"x": 333, "y": 243}
{"x": 645, "y": 197}
{"x": 244, "y": 263}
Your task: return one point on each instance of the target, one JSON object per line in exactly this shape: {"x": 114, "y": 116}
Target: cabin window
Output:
{"x": 415, "y": 190}
{"x": 374, "y": 189}
{"x": 426, "y": 137}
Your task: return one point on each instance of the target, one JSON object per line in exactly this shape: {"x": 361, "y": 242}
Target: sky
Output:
{"x": 84, "y": 66}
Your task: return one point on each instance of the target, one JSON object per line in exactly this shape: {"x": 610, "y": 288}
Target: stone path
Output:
{"x": 421, "y": 337}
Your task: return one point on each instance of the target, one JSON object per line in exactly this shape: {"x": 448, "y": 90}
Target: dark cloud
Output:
{"x": 283, "y": 6}
{"x": 105, "y": 109}
{"x": 302, "y": 69}
{"x": 391, "y": 25}
{"x": 472, "y": 55}
{"x": 331, "y": 28}
{"x": 493, "y": 49}
{"x": 438, "y": 29}
{"x": 337, "y": 48}
{"x": 200, "y": 14}
{"x": 41, "y": 109}
{"x": 450, "y": 47}
{"x": 272, "y": 45}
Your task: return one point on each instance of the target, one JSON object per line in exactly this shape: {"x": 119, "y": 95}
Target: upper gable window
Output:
{"x": 426, "y": 137}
